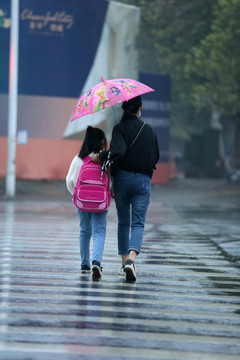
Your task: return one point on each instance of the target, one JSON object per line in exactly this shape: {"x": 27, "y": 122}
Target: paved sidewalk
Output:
{"x": 183, "y": 306}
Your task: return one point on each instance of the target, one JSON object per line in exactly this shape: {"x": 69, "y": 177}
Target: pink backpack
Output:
{"x": 92, "y": 191}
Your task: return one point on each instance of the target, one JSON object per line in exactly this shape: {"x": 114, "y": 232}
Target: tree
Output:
{"x": 214, "y": 64}
{"x": 169, "y": 30}
{"x": 197, "y": 44}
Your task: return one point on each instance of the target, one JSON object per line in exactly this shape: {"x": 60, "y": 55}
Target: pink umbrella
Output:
{"x": 108, "y": 93}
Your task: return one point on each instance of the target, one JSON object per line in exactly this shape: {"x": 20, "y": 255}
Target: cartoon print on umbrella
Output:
{"x": 89, "y": 92}
{"x": 101, "y": 94}
{"x": 108, "y": 93}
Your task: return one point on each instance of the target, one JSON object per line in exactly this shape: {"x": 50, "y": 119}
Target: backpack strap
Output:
{"x": 87, "y": 159}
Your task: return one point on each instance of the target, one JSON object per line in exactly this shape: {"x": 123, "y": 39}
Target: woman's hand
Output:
{"x": 95, "y": 158}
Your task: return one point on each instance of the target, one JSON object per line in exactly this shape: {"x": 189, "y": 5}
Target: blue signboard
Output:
{"x": 156, "y": 109}
{"x": 57, "y": 44}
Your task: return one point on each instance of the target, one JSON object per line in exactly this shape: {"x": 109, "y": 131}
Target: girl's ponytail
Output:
{"x": 94, "y": 141}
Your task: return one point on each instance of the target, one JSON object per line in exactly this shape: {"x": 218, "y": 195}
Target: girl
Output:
{"x": 91, "y": 224}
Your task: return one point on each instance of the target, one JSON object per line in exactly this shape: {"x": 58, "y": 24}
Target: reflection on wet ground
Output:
{"x": 183, "y": 306}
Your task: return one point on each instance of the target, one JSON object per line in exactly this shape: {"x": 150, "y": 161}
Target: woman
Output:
{"x": 134, "y": 153}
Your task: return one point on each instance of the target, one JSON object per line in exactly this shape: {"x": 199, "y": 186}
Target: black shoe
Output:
{"x": 96, "y": 269}
{"x": 85, "y": 269}
{"x": 130, "y": 270}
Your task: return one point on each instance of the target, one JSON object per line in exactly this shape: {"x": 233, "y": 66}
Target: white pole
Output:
{"x": 12, "y": 101}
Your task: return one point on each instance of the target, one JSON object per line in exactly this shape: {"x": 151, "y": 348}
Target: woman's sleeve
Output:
{"x": 118, "y": 146}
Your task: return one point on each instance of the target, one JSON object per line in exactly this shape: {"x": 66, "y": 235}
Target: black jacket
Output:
{"x": 142, "y": 156}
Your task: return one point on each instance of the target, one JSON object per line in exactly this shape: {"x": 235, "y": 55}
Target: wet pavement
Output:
{"x": 183, "y": 306}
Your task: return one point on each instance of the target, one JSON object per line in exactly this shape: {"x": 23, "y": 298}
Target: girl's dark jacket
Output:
{"x": 141, "y": 157}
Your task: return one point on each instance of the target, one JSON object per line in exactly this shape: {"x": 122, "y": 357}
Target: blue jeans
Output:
{"x": 132, "y": 196}
{"x": 92, "y": 224}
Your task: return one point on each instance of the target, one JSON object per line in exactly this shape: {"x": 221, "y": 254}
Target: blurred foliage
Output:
{"x": 169, "y": 30}
{"x": 197, "y": 44}
{"x": 214, "y": 63}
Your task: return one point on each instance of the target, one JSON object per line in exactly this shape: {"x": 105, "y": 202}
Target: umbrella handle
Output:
{"x": 115, "y": 113}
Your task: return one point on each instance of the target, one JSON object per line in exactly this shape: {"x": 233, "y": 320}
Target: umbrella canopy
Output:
{"x": 108, "y": 93}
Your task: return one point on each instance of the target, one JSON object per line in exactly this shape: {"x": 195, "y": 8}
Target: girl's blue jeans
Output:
{"x": 132, "y": 196}
{"x": 92, "y": 224}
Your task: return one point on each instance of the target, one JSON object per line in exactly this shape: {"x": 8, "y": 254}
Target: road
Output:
{"x": 183, "y": 306}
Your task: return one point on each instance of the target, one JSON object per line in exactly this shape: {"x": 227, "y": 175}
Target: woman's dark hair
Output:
{"x": 131, "y": 107}
{"x": 94, "y": 141}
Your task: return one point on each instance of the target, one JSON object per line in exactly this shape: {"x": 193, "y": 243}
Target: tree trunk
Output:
{"x": 215, "y": 119}
{"x": 216, "y": 124}
{"x": 236, "y": 147}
